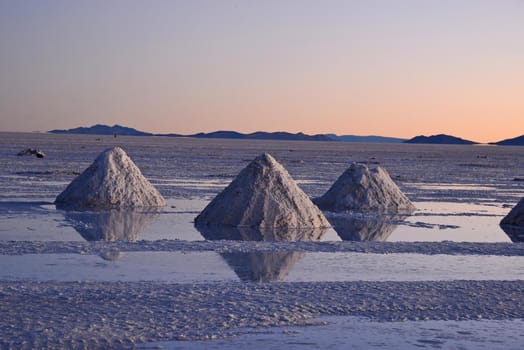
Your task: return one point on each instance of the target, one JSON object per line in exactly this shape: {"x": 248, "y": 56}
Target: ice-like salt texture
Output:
{"x": 262, "y": 195}
{"x": 113, "y": 180}
{"x": 361, "y": 188}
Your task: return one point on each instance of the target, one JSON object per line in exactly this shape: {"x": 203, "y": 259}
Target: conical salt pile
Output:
{"x": 112, "y": 181}
{"x": 262, "y": 195}
{"x": 361, "y": 188}
{"x": 516, "y": 216}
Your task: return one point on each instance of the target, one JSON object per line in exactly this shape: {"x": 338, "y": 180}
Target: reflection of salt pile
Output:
{"x": 513, "y": 223}
{"x": 262, "y": 266}
{"x": 361, "y": 188}
{"x": 362, "y": 228}
{"x": 231, "y": 233}
{"x": 262, "y": 195}
{"x": 113, "y": 180}
{"x": 110, "y": 225}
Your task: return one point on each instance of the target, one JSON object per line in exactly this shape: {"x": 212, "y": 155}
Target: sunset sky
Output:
{"x": 392, "y": 68}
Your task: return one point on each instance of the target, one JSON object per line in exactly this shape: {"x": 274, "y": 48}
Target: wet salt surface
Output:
{"x": 436, "y": 178}
{"x": 202, "y": 267}
{"x": 433, "y": 221}
{"x": 342, "y": 332}
{"x": 102, "y": 247}
{"x": 121, "y": 314}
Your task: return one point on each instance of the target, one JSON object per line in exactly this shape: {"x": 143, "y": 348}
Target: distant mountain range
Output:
{"x": 440, "y": 139}
{"x": 100, "y": 129}
{"x": 517, "y": 141}
{"x": 259, "y": 135}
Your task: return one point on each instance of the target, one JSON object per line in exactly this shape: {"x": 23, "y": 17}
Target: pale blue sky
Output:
{"x": 395, "y": 68}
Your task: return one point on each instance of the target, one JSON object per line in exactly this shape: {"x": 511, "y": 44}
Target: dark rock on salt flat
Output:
{"x": 31, "y": 152}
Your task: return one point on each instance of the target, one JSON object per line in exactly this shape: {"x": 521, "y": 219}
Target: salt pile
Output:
{"x": 516, "y": 216}
{"x": 112, "y": 181}
{"x": 361, "y": 188}
{"x": 513, "y": 223}
{"x": 262, "y": 195}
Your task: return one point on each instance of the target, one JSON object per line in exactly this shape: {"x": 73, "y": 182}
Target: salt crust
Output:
{"x": 263, "y": 195}
{"x": 364, "y": 189}
{"x": 117, "y": 315}
{"x": 99, "y": 247}
{"x": 112, "y": 181}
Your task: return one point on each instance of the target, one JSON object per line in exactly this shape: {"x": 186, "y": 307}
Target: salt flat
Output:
{"x": 447, "y": 276}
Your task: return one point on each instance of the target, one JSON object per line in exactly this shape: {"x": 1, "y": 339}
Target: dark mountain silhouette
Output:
{"x": 516, "y": 141}
{"x": 371, "y": 138}
{"x": 221, "y": 134}
{"x": 440, "y": 139}
{"x": 281, "y": 135}
{"x": 100, "y": 129}
{"x": 259, "y": 135}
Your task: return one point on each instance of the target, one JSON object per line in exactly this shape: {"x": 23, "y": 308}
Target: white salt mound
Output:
{"x": 262, "y": 195}
{"x": 515, "y": 216}
{"x": 112, "y": 181}
{"x": 364, "y": 189}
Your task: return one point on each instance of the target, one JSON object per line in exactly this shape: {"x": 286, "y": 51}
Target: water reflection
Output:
{"x": 515, "y": 233}
{"x": 110, "y": 225}
{"x": 354, "y": 227}
{"x": 262, "y": 266}
{"x": 219, "y": 232}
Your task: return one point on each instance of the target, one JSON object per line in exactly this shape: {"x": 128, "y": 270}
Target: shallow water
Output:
{"x": 433, "y": 221}
{"x": 204, "y": 267}
{"x": 361, "y": 333}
